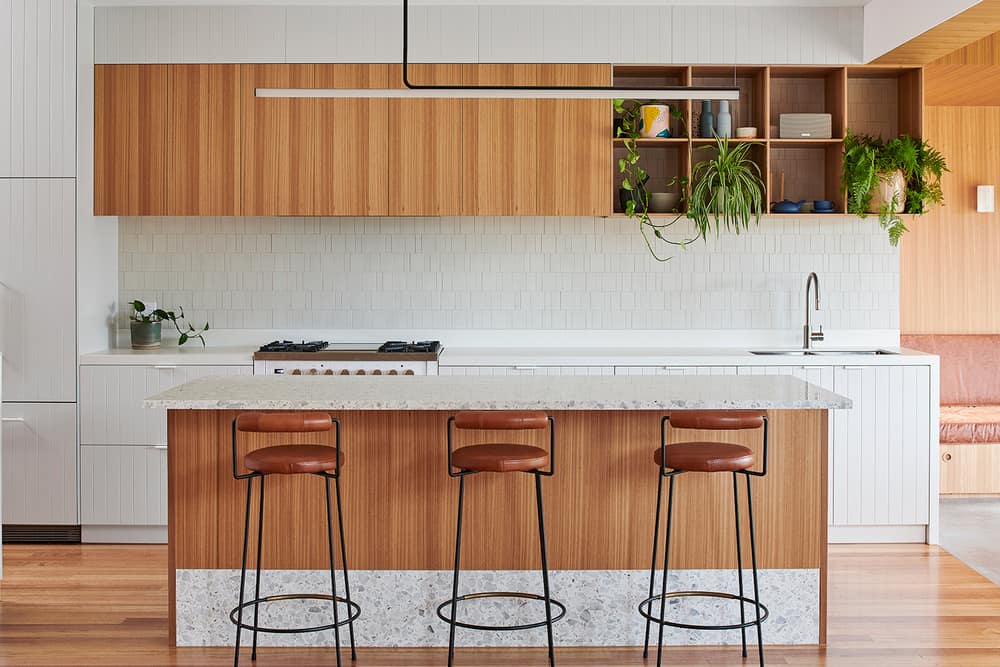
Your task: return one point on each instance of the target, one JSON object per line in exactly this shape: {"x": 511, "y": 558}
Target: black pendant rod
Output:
{"x": 417, "y": 86}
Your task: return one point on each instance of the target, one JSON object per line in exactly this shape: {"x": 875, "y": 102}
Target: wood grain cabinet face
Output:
{"x": 425, "y": 146}
{"x": 537, "y": 157}
{"x": 203, "y": 140}
{"x": 130, "y": 134}
{"x": 314, "y": 156}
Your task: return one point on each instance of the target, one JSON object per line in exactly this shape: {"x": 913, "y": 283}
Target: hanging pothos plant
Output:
{"x": 635, "y": 178}
{"x": 901, "y": 175}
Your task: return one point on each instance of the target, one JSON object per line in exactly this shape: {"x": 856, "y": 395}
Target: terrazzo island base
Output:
{"x": 400, "y": 506}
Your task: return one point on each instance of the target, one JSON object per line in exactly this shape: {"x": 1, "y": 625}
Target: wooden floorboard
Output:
{"x": 890, "y": 605}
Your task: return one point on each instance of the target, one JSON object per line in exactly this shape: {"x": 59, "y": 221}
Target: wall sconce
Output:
{"x": 985, "y": 199}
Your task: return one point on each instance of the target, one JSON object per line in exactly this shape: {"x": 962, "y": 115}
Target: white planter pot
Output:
{"x": 889, "y": 185}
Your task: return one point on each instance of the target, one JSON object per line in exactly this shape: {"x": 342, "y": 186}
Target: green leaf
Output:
{"x": 627, "y": 185}
{"x": 206, "y": 326}
{"x": 183, "y": 339}
{"x": 138, "y": 306}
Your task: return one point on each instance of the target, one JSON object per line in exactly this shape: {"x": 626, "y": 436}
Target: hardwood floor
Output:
{"x": 890, "y": 605}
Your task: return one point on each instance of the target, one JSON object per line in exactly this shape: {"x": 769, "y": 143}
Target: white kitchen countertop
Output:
{"x": 662, "y": 356}
{"x": 496, "y": 393}
{"x": 171, "y": 355}
{"x": 242, "y": 355}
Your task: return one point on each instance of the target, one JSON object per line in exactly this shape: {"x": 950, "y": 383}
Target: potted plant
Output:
{"x": 902, "y": 175}
{"x": 145, "y": 326}
{"x": 632, "y": 195}
{"x": 728, "y": 191}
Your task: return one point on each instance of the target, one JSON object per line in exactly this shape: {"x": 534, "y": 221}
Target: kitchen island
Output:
{"x": 399, "y": 505}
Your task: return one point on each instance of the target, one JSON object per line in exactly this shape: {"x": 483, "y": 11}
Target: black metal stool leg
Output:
{"x": 666, "y": 557}
{"x": 243, "y": 571}
{"x": 652, "y": 567}
{"x": 343, "y": 562}
{"x": 333, "y": 570}
{"x": 739, "y": 562}
{"x": 260, "y": 540}
{"x": 753, "y": 557}
{"x": 545, "y": 570}
{"x": 454, "y": 585}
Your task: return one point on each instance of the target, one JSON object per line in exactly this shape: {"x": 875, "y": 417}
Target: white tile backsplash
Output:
{"x": 505, "y": 273}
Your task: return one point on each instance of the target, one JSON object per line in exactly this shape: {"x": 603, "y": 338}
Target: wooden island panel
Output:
{"x": 399, "y": 503}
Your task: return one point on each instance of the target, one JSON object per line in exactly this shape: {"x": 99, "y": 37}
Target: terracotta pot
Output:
{"x": 889, "y": 185}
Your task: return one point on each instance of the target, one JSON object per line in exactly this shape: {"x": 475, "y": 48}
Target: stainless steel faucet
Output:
{"x": 808, "y": 335}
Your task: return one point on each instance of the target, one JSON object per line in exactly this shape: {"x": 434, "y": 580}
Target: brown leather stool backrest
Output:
{"x": 284, "y": 422}
{"x": 718, "y": 420}
{"x": 506, "y": 420}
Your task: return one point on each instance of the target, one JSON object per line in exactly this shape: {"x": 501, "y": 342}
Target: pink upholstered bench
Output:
{"x": 970, "y": 409}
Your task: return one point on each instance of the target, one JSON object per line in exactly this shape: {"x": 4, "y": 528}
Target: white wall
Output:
{"x": 505, "y": 273}
{"x": 491, "y": 33}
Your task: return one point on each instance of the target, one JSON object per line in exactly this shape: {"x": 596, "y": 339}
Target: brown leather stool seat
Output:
{"x": 718, "y": 420}
{"x": 293, "y": 459}
{"x": 500, "y": 458}
{"x": 705, "y": 457}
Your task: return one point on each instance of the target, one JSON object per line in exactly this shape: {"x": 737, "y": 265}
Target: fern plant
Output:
{"x": 868, "y": 159}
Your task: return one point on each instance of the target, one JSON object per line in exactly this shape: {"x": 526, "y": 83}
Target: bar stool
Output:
{"x": 321, "y": 460}
{"x": 711, "y": 457}
{"x": 502, "y": 458}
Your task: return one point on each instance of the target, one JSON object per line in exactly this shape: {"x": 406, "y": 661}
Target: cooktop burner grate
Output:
{"x": 289, "y": 346}
{"x": 403, "y": 346}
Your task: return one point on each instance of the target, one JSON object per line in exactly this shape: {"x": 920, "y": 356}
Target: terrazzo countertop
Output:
{"x": 770, "y": 392}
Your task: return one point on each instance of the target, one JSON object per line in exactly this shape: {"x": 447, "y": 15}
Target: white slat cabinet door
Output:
{"x": 881, "y": 453}
{"x": 37, "y": 289}
{"x": 39, "y": 463}
{"x": 111, "y": 397}
{"x": 123, "y": 486}
{"x": 525, "y": 370}
{"x": 37, "y": 88}
{"x": 675, "y": 370}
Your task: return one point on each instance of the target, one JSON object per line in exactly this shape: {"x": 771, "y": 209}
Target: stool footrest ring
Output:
{"x": 354, "y": 611}
{"x": 498, "y": 594}
{"x": 645, "y": 608}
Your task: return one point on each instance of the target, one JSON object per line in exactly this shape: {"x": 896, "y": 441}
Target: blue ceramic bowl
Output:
{"x": 823, "y": 205}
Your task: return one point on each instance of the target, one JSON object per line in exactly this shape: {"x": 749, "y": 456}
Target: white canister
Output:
{"x": 655, "y": 120}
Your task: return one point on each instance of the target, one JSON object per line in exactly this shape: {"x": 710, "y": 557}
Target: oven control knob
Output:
{"x": 344, "y": 371}
{"x": 328, "y": 371}
{"x": 393, "y": 372}
{"x": 376, "y": 372}
{"x": 297, "y": 371}
{"x": 360, "y": 372}
{"x": 408, "y": 372}
{"x": 313, "y": 371}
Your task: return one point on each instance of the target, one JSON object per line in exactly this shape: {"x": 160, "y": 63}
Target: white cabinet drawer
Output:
{"x": 111, "y": 411}
{"x": 526, "y": 370}
{"x": 123, "y": 486}
{"x": 39, "y": 463}
{"x": 675, "y": 370}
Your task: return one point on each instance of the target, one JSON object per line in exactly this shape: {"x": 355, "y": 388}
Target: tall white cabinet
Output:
{"x": 38, "y": 55}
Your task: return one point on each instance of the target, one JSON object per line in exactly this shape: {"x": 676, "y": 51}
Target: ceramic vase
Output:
{"x": 707, "y": 128}
{"x": 724, "y": 121}
{"x": 655, "y": 120}
{"x": 890, "y": 186}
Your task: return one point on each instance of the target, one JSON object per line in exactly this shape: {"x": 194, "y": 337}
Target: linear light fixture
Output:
{"x": 415, "y": 90}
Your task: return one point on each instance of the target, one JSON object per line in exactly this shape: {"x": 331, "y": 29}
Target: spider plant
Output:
{"x": 728, "y": 191}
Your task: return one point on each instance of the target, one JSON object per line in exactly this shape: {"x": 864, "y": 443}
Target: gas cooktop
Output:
{"x": 403, "y": 346}
{"x": 309, "y": 348}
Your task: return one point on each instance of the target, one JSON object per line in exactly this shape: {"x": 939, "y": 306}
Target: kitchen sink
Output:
{"x": 820, "y": 352}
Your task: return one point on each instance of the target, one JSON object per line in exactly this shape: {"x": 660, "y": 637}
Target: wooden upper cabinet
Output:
{"x": 573, "y": 140}
{"x": 203, "y": 140}
{"x": 425, "y": 146}
{"x": 130, "y": 134}
{"x": 314, "y": 156}
{"x": 537, "y": 157}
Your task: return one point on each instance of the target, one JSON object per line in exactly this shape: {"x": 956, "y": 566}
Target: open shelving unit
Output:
{"x": 875, "y": 100}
